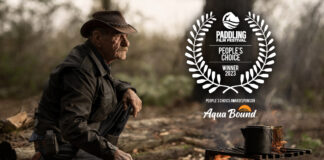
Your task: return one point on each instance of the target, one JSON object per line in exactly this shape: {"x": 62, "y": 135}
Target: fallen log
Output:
{"x": 192, "y": 132}
{"x": 202, "y": 143}
{"x": 18, "y": 121}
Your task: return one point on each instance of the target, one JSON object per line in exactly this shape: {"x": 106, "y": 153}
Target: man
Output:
{"x": 83, "y": 109}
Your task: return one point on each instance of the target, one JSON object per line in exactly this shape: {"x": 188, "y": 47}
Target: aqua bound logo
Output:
{"x": 244, "y": 111}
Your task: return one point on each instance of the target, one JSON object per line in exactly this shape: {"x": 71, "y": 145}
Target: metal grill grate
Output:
{"x": 238, "y": 152}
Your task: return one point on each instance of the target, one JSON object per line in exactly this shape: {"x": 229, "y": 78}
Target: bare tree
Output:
{"x": 302, "y": 72}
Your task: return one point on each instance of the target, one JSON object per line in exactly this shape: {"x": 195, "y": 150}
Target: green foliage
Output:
{"x": 160, "y": 91}
{"x": 309, "y": 142}
{"x": 304, "y": 141}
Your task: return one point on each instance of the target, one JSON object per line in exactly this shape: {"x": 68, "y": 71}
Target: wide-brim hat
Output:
{"x": 112, "y": 19}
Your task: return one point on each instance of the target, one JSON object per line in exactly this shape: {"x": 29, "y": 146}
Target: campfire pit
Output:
{"x": 261, "y": 142}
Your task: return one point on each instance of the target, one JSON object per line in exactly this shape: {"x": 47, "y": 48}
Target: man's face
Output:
{"x": 113, "y": 45}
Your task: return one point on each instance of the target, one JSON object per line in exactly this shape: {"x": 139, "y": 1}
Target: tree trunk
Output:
{"x": 106, "y": 4}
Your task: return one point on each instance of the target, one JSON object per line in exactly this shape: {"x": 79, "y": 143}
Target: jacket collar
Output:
{"x": 98, "y": 59}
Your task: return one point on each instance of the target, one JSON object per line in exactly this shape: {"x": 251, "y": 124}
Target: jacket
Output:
{"x": 79, "y": 95}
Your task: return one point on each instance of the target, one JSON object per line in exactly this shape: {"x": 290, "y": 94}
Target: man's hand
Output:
{"x": 121, "y": 155}
{"x": 130, "y": 97}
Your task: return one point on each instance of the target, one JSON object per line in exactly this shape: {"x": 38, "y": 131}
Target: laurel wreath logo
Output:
{"x": 252, "y": 77}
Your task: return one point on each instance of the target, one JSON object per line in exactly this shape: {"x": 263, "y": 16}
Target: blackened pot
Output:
{"x": 258, "y": 139}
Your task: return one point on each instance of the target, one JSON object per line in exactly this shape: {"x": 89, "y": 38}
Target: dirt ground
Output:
{"x": 179, "y": 132}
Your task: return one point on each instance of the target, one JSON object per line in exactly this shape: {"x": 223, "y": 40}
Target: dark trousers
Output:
{"x": 110, "y": 128}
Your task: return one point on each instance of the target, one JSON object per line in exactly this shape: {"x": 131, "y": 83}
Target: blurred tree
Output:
{"x": 30, "y": 45}
{"x": 99, "y": 5}
{"x": 302, "y": 73}
{"x": 106, "y": 4}
{"x": 297, "y": 78}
